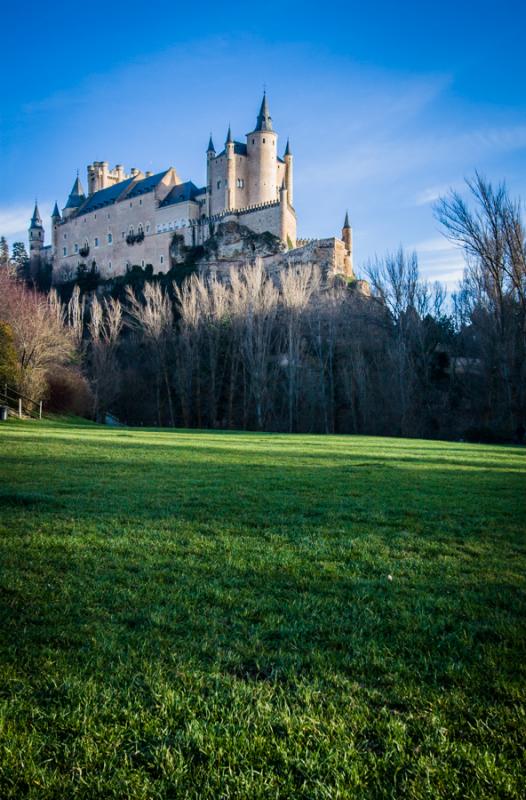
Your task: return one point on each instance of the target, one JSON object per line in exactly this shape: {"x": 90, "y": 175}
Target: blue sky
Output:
{"x": 386, "y": 104}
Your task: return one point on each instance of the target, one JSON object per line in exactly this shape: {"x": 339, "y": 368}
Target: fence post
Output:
{"x": 40, "y": 410}
{"x": 20, "y": 407}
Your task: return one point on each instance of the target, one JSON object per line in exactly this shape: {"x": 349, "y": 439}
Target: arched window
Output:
{"x": 140, "y": 228}
{"x": 130, "y": 231}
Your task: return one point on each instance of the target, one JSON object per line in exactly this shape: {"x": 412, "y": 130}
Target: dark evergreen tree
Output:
{"x": 20, "y": 260}
{"x": 4, "y": 252}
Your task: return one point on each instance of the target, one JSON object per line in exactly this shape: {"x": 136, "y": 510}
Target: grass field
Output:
{"x": 227, "y": 615}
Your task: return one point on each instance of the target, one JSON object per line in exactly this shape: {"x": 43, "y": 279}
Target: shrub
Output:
{"x": 8, "y": 356}
{"x": 68, "y": 392}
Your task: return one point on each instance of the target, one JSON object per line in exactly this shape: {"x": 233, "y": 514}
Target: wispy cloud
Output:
{"x": 439, "y": 260}
{"x": 14, "y": 221}
{"x": 433, "y": 193}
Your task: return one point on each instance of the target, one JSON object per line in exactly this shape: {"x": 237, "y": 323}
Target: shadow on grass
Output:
{"x": 281, "y": 618}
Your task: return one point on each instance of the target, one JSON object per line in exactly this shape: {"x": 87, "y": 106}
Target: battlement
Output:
{"x": 229, "y": 212}
{"x": 100, "y": 176}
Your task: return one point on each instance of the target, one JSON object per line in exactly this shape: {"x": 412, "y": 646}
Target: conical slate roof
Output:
{"x": 76, "y": 196}
{"x": 36, "y": 219}
{"x": 264, "y": 122}
{"x": 210, "y": 148}
{"x": 346, "y": 224}
{"x": 56, "y": 213}
{"x": 229, "y": 136}
{"x": 287, "y": 149}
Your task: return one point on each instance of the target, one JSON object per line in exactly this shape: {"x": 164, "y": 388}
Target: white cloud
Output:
{"x": 433, "y": 193}
{"x": 440, "y": 260}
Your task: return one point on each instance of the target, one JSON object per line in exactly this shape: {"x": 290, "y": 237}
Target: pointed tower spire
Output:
{"x": 76, "y": 196}
{"x": 264, "y": 121}
{"x": 229, "y": 136}
{"x": 56, "y": 213}
{"x": 36, "y": 219}
{"x": 287, "y": 149}
{"x": 346, "y": 223}
{"x": 210, "y": 148}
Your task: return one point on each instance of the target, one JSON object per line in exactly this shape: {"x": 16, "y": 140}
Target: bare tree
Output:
{"x": 152, "y": 315}
{"x": 297, "y": 286}
{"x": 104, "y": 329}
{"x": 492, "y": 295}
{"x": 255, "y": 306}
{"x": 42, "y": 339}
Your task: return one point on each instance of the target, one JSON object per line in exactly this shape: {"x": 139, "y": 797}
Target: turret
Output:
{"x": 347, "y": 233}
{"x": 56, "y": 219}
{"x": 36, "y": 234}
{"x": 210, "y": 155}
{"x": 283, "y": 200}
{"x": 347, "y": 240}
{"x": 288, "y": 173}
{"x": 75, "y": 200}
{"x": 230, "y": 185}
{"x": 262, "y": 157}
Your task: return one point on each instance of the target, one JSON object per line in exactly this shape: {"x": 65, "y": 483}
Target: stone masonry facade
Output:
{"x": 129, "y": 219}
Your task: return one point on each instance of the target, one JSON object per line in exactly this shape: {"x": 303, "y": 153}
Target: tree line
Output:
{"x": 297, "y": 350}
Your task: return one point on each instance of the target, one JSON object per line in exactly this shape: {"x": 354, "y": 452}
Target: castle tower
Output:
{"x": 289, "y": 174}
{"x": 347, "y": 240}
{"x": 210, "y": 155}
{"x": 262, "y": 158}
{"x": 56, "y": 219}
{"x": 75, "y": 200}
{"x": 36, "y": 235}
{"x": 283, "y": 201}
{"x": 230, "y": 183}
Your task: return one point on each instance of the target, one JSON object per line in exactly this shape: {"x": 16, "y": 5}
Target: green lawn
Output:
{"x": 227, "y": 615}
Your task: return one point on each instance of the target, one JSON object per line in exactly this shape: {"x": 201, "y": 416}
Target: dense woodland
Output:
{"x": 293, "y": 352}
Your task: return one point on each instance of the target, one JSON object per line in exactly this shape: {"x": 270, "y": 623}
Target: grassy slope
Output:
{"x": 197, "y": 614}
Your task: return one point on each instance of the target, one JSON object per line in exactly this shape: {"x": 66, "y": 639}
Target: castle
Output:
{"x": 132, "y": 219}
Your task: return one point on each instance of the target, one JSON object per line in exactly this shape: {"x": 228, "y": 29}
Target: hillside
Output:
{"x": 219, "y": 614}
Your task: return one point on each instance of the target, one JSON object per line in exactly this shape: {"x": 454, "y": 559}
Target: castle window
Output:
{"x": 142, "y": 263}
{"x": 65, "y": 251}
{"x": 147, "y": 227}
{"x": 140, "y": 202}
{"x": 130, "y": 232}
{"x": 109, "y": 265}
{"x": 123, "y": 234}
{"x": 253, "y": 141}
{"x": 240, "y": 183}
{"x": 110, "y": 238}
{"x": 76, "y": 248}
{"x": 263, "y": 141}
{"x": 131, "y": 204}
{"x": 65, "y": 236}
{"x": 96, "y": 241}
{"x": 162, "y": 259}
{"x": 140, "y": 228}
{"x": 219, "y": 184}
